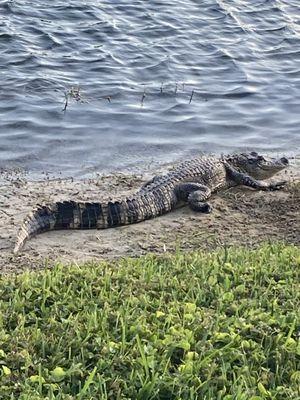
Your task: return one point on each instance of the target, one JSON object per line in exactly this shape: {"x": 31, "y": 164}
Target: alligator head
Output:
{"x": 257, "y": 166}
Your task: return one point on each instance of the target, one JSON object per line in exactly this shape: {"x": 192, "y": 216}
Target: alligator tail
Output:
{"x": 81, "y": 215}
{"x": 39, "y": 220}
{"x": 65, "y": 215}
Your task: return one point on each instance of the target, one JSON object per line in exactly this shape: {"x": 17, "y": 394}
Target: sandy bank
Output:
{"x": 240, "y": 216}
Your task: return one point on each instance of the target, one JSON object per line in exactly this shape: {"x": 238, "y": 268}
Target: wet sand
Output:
{"x": 240, "y": 216}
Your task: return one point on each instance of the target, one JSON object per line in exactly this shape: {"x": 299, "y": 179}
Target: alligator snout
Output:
{"x": 284, "y": 161}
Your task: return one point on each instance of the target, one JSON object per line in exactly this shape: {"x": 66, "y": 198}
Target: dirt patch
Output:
{"x": 240, "y": 216}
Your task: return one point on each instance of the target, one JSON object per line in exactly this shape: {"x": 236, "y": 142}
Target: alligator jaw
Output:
{"x": 258, "y": 166}
{"x": 275, "y": 165}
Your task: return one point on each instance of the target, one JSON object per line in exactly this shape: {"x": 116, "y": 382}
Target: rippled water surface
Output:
{"x": 146, "y": 81}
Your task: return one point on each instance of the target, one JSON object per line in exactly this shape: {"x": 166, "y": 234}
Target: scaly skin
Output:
{"x": 192, "y": 182}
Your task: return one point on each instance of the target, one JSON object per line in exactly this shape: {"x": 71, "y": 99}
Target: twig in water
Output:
{"x": 66, "y": 102}
{"x": 161, "y": 88}
{"x": 191, "y": 96}
{"x": 176, "y": 87}
{"x": 143, "y": 98}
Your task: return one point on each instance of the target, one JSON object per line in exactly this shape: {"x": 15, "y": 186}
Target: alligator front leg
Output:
{"x": 195, "y": 194}
{"x": 243, "y": 179}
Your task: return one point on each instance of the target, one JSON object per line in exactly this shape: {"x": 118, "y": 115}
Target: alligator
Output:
{"x": 192, "y": 182}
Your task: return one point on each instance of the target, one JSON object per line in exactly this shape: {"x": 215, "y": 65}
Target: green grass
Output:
{"x": 223, "y": 325}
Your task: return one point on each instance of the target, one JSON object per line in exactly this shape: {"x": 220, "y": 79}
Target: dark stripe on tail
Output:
{"x": 114, "y": 214}
{"x": 74, "y": 215}
{"x": 65, "y": 215}
{"x": 90, "y": 215}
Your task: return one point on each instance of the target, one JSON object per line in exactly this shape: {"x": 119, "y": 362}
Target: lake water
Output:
{"x": 146, "y": 81}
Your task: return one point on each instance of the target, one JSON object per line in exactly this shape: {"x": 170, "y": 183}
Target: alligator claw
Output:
{"x": 207, "y": 208}
{"x": 201, "y": 207}
{"x": 277, "y": 185}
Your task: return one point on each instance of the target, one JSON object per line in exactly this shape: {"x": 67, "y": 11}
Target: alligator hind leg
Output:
{"x": 195, "y": 194}
{"x": 196, "y": 203}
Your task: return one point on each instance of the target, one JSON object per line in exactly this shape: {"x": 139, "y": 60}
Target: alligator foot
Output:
{"x": 200, "y": 207}
{"x": 196, "y": 200}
